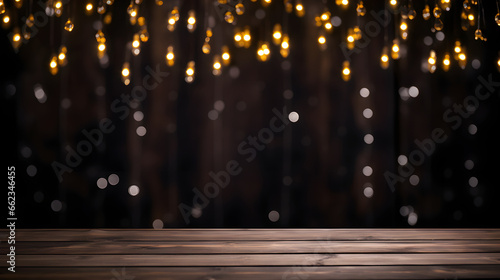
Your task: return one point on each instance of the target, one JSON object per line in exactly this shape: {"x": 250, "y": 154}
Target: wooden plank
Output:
{"x": 261, "y": 273}
{"x": 254, "y": 247}
{"x": 256, "y": 260}
{"x": 250, "y": 234}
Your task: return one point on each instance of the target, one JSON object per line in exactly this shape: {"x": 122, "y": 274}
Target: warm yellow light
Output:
{"x": 345, "y": 2}
{"x": 284, "y": 45}
{"x": 498, "y": 62}
{"x": 191, "y": 20}
{"x": 458, "y": 49}
{"x": 171, "y": 20}
{"x": 170, "y": 56}
{"x": 53, "y": 63}
{"x": 89, "y": 7}
{"x": 6, "y": 19}
{"x": 299, "y": 7}
{"x": 328, "y": 26}
{"x": 247, "y": 37}
{"x": 471, "y": 17}
{"x": 61, "y": 56}
{"x": 277, "y": 35}
{"x": 446, "y": 61}
{"x": 384, "y": 58}
{"x": 136, "y": 44}
{"x": 462, "y": 56}
{"x": 16, "y": 37}
{"x": 431, "y": 60}
{"x": 125, "y": 72}
{"x": 225, "y": 56}
{"x": 217, "y": 65}
{"x": 237, "y": 37}
{"x": 321, "y": 39}
{"x": 395, "y": 48}
{"x": 346, "y": 71}
{"x": 101, "y": 47}
{"x": 403, "y": 26}
{"x": 266, "y": 50}
{"x": 190, "y": 71}
{"x": 393, "y": 2}
{"x": 350, "y": 38}
{"x": 58, "y": 5}
{"x": 325, "y": 16}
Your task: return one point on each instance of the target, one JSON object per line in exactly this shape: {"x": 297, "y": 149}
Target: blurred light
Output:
{"x": 56, "y": 205}
{"x": 472, "y": 129}
{"x": 191, "y": 22}
{"x": 364, "y": 92}
{"x": 31, "y": 170}
{"x": 476, "y": 64}
{"x": 219, "y": 105}
{"x": 428, "y": 40}
{"x": 157, "y": 224}
{"x": 469, "y": 164}
{"x": 414, "y": 180}
{"x": 368, "y": 138}
{"x": 113, "y": 179}
{"x": 413, "y": 91}
{"x": 213, "y": 115}
{"x": 368, "y": 192}
{"x": 473, "y": 181}
{"x": 274, "y": 216}
{"x": 346, "y": 71}
{"x": 412, "y": 218}
{"x": 402, "y": 160}
{"x": 141, "y": 131}
{"x": 138, "y": 116}
{"x": 26, "y": 152}
{"x": 367, "y": 113}
{"x": 299, "y": 8}
{"x": 440, "y": 36}
{"x": 39, "y": 93}
{"x": 404, "y": 211}
{"x": 133, "y": 190}
{"x": 293, "y": 116}
{"x": 102, "y": 183}
{"x": 367, "y": 171}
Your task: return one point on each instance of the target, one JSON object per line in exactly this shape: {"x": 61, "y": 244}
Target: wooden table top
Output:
{"x": 120, "y": 254}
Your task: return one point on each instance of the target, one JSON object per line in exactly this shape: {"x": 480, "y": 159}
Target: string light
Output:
{"x": 226, "y": 57}
{"x": 346, "y": 71}
{"x": 360, "y": 9}
{"x": 395, "y": 49}
{"x": 299, "y": 8}
{"x": 126, "y": 73}
{"x": 191, "y": 22}
{"x": 343, "y": 3}
{"x": 16, "y": 38}
{"x": 285, "y": 46}
{"x": 61, "y": 58}
{"x": 322, "y": 42}
{"x": 68, "y": 26}
{"x": 2, "y": 7}
{"x": 446, "y": 62}
{"x": 239, "y": 9}
{"x": 170, "y": 57}
{"x": 462, "y": 59}
{"x": 350, "y": 39}
{"x": 173, "y": 19}
{"x": 238, "y": 38}
{"x": 53, "y": 65}
{"x": 403, "y": 27}
{"x": 277, "y": 34}
{"x": 247, "y": 38}
{"x": 384, "y": 58}
{"x": 263, "y": 52}
{"x": 190, "y": 72}
{"x": 229, "y": 17}
{"x": 217, "y": 66}
{"x": 266, "y": 3}
{"x": 498, "y": 63}
{"x": 136, "y": 45}
{"x": 89, "y": 7}
{"x": 58, "y": 8}
{"x": 432, "y": 61}
{"x": 426, "y": 12}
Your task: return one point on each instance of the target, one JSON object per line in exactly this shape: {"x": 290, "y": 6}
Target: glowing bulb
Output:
{"x": 228, "y": 17}
{"x": 471, "y": 17}
{"x": 384, "y": 58}
{"x": 299, "y": 9}
{"x": 432, "y": 61}
{"x": 437, "y": 11}
{"x": 498, "y": 64}
{"x": 89, "y": 8}
{"x": 446, "y": 62}
{"x": 16, "y": 37}
{"x": 53, "y": 65}
{"x": 136, "y": 43}
{"x": 395, "y": 49}
{"x": 285, "y": 51}
{"x": 328, "y": 26}
{"x": 237, "y": 37}
{"x": 403, "y": 26}
{"x": 101, "y": 47}
{"x": 426, "y": 13}
{"x": 239, "y": 8}
{"x": 277, "y": 34}
{"x": 217, "y": 66}
{"x": 321, "y": 40}
{"x": 226, "y": 57}
{"x": 325, "y": 16}
{"x": 346, "y": 72}
{"x": 191, "y": 22}
{"x": 58, "y": 5}
{"x": 462, "y": 56}
{"x": 393, "y": 3}
{"x": 125, "y": 70}
{"x": 68, "y": 26}
{"x": 361, "y": 9}
{"x": 263, "y": 52}
{"x": 190, "y": 72}
{"x": 170, "y": 56}
{"x": 62, "y": 56}
{"x": 2, "y": 7}
{"x": 132, "y": 10}
{"x": 247, "y": 37}
{"x": 6, "y": 19}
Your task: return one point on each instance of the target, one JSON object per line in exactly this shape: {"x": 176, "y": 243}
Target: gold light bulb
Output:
{"x": 432, "y": 61}
{"x": 285, "y": 46}
{"x": 360, "y": 9}
{"x": 239, "y": 9}
{"x": 68, "y": 26}
{"x": 190, "y": 72}
{"x": 384, "y": 58}
{"x": 446, "y": 62}
{"x": 191, "y": 21}
{"x": 395, "y": 49}
{"x": 126, "y": 73}
{"x": 299, "y": 8}
{"x": 226, "y": 57}
{"x": 2, "y": 7}
{"x": 277, "y": 34}
{"x": 217, "y": 66}
{"x": 53, "y": 65}
{"x": 346, "y": 71}
{"x": 426, "y": 12}
{"x": 170, "y": 57}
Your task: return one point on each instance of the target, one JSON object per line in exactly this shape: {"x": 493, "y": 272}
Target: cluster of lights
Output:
{"x": 243, "y": 38}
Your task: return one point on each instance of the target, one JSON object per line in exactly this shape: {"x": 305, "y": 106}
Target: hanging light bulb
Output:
{"x": 299, "y": 8}
{"x": 356, "y": 31}
{"x": 322, "y": 42}
{"x": 462, "y": 59}
{"x": 426, "y": 12}
{"x": 172, "y": 19}
{"x": 285, "y": 46}
{"x": 247, "y": 38}
{"x": 395, "y": 49}
{"x": 238, "y": 38}
{"x": 2, "y": 7}
{"x": 53, "y": 65}
{"x": 89, "y": 8}
{"x": 437, "y": 11}
{"x": 133, "y": 10}
{"x": 68, "y": 26}
{"x": 411, "y": 11}
{"x": 346, "y": 71}
{"x": 136, "y": 45}
{"x": 263, "y": 52}
{"x": 6, "y": 20}
{"x": 191, "y": 22}
{"x": 126, "y": 73}
{"x": 190, "y": 72}
{"x": 144, "y": 34}
{"x": 217, "y": 66}
{"x": 239, "y": 9}
{"x": 101, "y": 50}
{"x": 478, "y": 35}
{"x": 226, "y": 57}
{"x": 457, "y": 50}
{"x": 360, "y": 9}
{"x": 229, "y": 17}
{"x": 16, "y": 38}
{"x": 101, "y": 8}
{"x": 18, "y": 3}
{"x": 99, "y": 36}
{"x": 467, "y": 5}
{"x": 288, "y": 5}
{"x": 266, "y": 3}
{"x": 438, "y": 24}
{"x": 393, "y": 4}
{"x": 58, "y": 8}
{"x": 446, "y": 62}
{"x": 206, "y": 47}
{"x": 432, "y": 61}
{"x": 403, "y": 27}
{"x": 277, "y": 34}
{"x": 446, "y": 5}
{"x": 61, "y": 57}
{"x": 159, "y": 2}
{"x": 170, "y": 57}
{"x": 384, "y": 58}
{"x": 343, "y": 3}
{"x": 350, "y": 39}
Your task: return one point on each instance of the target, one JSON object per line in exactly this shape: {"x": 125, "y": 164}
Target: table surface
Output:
{"x": 126, "y": 254}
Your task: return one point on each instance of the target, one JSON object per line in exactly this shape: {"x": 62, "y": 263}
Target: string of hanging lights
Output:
{"x": 471, "y": 15}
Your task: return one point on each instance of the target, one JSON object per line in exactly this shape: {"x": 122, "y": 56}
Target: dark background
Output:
{"x": 310, "y": 173}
